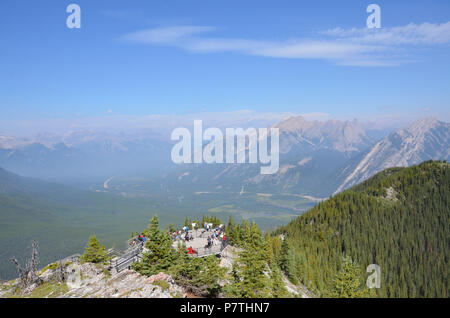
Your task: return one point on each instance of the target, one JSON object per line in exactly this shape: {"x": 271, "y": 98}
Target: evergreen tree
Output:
{"x": 278, "y": 287}
{"x": 200, "y": 275}
{"x": 252, "y": 268}
{"x": 160, "y": 254}
{"x": 171, "y": 229}
{"x": 231, "y": 230}
{"x": 269, "y": 247}
{"x": 287, "y": 261}
{"x": 94, "y": 252}
{"x": 346, "y": 282}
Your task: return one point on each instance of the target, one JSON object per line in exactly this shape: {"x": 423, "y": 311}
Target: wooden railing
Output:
{"x": 134, "y": 253}
{"x": 125, "y": 260}
{"x": 213, "y": 250}
{"x": 200, "y": 233}
{"x": 113, "y": 252}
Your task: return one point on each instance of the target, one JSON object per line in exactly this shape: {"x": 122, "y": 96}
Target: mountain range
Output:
{"x": 426, "y": 139}
{"x": 84, "y": 156}
{"x": 321, "y": 158}
{"x": 317, "y": 158}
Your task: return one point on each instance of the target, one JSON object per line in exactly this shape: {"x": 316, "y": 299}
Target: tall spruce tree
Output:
{"x": 278, "y": 288}
{"x": 199, "y": 275}
{"x": 94, "y": 252}
{"x": 347, "y": 282}
{"x": 160, "y": 254}
{"x": 287, "y": 260}
{"x": 252, "y": 268}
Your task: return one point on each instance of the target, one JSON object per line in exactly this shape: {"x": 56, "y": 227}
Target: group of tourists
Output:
{"x": 183, "y": 234}
{"x": 218, "y": 237}
{"x": 141, "y": 239}
{"x": 186, "y": 236}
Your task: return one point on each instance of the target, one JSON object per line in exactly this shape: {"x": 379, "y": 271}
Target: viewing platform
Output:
{"x": 199, "y": 243}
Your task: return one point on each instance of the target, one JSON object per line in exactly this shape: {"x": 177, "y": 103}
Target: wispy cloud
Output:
{"x": 357, "y": 47}
{"x": 411, "y": 34}
{"x": 179, "y": 35}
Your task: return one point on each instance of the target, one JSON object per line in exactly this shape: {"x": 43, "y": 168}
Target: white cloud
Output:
{"x": 411, "y": 34}
{"x": 357, "y": 47}
{"x": 169, "y": 35}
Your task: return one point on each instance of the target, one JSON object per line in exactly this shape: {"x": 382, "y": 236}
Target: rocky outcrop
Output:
{"x": 228, "y": 256}
{"x": 95, "y": 281}
{"x": 126, "y": 284}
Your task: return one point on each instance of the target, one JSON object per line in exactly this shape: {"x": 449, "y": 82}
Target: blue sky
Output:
{"x": 134, "y": 58}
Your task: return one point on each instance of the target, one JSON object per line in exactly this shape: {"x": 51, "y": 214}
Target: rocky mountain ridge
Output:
{"x": 426, "y": 139}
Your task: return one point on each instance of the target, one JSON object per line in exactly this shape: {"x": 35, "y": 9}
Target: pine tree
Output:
{"x": 287, "y": 261}
{"x": 160, "y": 255}
{"x": 346, "y": 282}
{"x": 252, "y": 268}
{"x": 94, "y": 252}
{"x": 170, "y": 228}
{"x": 231, "y": 230}
{"x": 278, "y": 287}
{"x": 201, "y": 276}
{"x": 269, "y": 243}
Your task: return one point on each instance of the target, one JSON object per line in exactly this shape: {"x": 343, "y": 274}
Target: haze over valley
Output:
{"x": 114, "y": 184}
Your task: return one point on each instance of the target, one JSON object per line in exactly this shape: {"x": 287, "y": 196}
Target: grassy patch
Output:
{"x": 162, "y": 283}
{"x": 49, "y": 290}
{"x": 52, "y": 266}
{"x": 106, "y": 273}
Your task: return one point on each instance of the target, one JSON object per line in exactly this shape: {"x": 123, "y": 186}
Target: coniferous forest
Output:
{"x": 398, "y": 220}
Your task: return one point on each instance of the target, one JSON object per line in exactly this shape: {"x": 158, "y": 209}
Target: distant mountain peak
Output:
{"x": 425, "y": 139}
{"x": 292, "y": 123}
{"x": 424, "y": 124}
{"x": 343, "y": 136}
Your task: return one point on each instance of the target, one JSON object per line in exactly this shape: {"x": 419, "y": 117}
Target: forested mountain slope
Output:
{"x": 398, "y": 219}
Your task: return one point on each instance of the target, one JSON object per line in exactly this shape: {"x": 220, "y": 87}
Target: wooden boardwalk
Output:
{"x": 124, "y": 261}
{"x": 133, "y": 254}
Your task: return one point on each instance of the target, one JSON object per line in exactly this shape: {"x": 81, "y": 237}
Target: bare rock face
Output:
{"x": 298, "y": 290}
{"x": 95, "y": 281}
{"x": 228, "y": 256}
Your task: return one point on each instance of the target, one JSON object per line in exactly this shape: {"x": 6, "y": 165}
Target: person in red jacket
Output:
{"x": 190, "y": 250}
